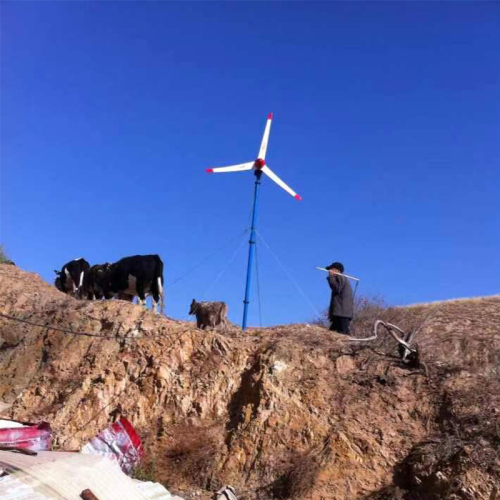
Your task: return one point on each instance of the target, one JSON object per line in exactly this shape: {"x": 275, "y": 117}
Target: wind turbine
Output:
{"x": 259, "y": 167}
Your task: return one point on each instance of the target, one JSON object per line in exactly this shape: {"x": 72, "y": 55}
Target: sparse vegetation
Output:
{"x": 146, "y": 471}
{"x": 299, "y": 479}
{"x": 192, "y": 455}
{"x": 368, "y": 309}
{"x": 4, "y": 258}
{"x": 365, "y": 309}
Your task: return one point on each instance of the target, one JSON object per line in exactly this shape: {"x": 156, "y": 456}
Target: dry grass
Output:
{"x": 461, "y": 344}
{"x": 447, "y": 301}
{"x": 368, "y": 309}
{"x": 299, "y": 479}
{"x": 409, "y": 319}
{"x": 192, "y": 456}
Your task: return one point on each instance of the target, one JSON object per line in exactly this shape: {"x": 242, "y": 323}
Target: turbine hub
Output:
{"x": 259, "y": 163}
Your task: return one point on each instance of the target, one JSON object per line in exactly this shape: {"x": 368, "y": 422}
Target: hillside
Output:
{"x": 285, "y": 412}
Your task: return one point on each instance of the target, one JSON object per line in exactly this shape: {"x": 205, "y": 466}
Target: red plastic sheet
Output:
{"x": 119, "y": 442}
{"x": 34, "y": 437}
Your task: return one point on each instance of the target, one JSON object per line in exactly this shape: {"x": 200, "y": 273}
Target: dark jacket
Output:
{"x": 341, "y": 303}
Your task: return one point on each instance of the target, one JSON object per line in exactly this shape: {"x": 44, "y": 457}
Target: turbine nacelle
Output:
{"x": 259, "y": 163}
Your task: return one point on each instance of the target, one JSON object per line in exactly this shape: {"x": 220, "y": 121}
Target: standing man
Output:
{"x": 341, "y": 303}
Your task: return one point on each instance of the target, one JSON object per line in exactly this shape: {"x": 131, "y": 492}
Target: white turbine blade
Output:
{"x": 265, "y": 137}
{"x": 232, "y": 168}
{"x": 280, "y": 183}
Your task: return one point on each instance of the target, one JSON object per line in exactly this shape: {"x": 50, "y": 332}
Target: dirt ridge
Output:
{"x": 286, "y": 412}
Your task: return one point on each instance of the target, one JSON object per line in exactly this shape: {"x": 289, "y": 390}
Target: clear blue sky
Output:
{"x": 387, "y": 120}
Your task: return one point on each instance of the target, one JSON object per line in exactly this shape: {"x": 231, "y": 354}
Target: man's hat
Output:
{"x": 336, "y": 265}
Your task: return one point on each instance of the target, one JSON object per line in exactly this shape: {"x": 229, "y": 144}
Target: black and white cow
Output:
{"x": 139, "y": 275}
{"x": 71, "y": 277}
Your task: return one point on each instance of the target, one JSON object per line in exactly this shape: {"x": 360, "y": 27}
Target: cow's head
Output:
{"x": 58, "y": 284}
{"x": 99, "y": 279}
{"x": 194, "y": 306}
{"x": 102, "y": 269}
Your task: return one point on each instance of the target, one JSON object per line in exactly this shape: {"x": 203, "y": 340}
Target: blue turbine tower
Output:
{"x": 259, "y": 167}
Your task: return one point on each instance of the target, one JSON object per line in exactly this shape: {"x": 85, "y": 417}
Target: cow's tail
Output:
{"x": 159, "y": 280}
{"x": 79, "y": 286}
{"x": 160, "y": 293}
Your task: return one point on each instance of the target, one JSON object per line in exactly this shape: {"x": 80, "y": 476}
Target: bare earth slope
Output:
{"x": 285, "y": 412}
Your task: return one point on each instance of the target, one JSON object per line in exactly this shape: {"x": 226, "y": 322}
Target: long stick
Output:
{"x": 340, "y": 274}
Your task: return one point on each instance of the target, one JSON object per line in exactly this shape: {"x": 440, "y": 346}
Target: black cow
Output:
{"x": 209, "y": 314}
{"x": 139, "y": 275}
{"x": 96, "y": 283}
{"x": 71, "y": 277}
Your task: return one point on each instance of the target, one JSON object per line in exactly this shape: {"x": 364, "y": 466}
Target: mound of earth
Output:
{"x": 286, "y": 412}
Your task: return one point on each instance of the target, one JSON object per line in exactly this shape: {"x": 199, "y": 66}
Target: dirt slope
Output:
{"x": 286, "y": 412}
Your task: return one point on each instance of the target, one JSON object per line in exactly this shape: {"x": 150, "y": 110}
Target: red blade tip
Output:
{"x": 270, "y": 116}
{"x": 209, "y": 171}
{"x": 298, "y": 197}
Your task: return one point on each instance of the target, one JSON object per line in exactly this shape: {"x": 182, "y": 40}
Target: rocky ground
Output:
{"x": 287, "y": 412}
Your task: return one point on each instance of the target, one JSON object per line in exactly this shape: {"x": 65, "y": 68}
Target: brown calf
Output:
{"x": 209, "y": 314}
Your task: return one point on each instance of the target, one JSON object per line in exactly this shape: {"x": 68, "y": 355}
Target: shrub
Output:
{"x": 299, "y": 479}
{"x": 4, "y": 258}
{"x": 192, "y": 456}
{"x": 366, "y": 310}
